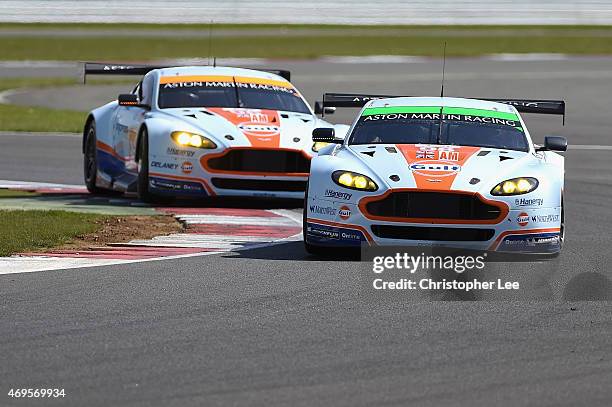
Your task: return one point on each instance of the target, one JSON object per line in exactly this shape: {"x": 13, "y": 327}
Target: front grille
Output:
{"x": 433, "y": 205}
{"x": 259, "y": 185}
{"x": 432, "y": 233}
{"x": 272, "y": 161}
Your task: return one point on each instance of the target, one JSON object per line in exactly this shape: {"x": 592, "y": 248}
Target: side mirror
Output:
{"x": 554, "y": 143}
{"x": 131, "y": 100}
{"x": 319, "y": 109}
{"x": 325, "y": 135}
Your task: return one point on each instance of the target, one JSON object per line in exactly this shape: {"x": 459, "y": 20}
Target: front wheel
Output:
{"x": 144, "y": 193}
{"x": 90, "y": 160}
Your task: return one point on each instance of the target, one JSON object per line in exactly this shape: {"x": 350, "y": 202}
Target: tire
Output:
{"x": 90, "y": 160}
{"x": 143, "y": 169}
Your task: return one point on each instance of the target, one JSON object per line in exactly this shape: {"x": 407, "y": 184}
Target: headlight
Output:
{"x": 353, "y": 180}
{"x": 515, "y": 186}
{"x": 318, "y": 145}
{"x": 183, "y": 138}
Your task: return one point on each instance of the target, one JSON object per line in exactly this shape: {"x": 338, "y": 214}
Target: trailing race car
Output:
{"x": 438, "y": 171}
{"x": 201, "y": 131}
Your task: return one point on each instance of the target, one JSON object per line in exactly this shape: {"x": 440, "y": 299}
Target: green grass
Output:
{"x": 300, "y": 46}
{"x": 301, "y": 41}
{"x": 23, "y": 118}
{"x": 24, "y": 231}
{"x": 8, "y": 193}
{"x": 196, "y": 26}
{"x": 14, "y": 83}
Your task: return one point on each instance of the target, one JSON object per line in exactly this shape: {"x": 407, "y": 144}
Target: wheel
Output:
{"x": 90, "y": 160}
{"x": 143, "y": 169}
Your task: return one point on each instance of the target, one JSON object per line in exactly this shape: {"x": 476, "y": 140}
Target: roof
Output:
{"x": 218, "y": 71}
{"x": 442, "y": 101}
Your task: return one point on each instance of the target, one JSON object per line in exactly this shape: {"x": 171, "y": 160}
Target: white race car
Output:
{"x": 447, "y": 172}
{"x": 201, "y": 131}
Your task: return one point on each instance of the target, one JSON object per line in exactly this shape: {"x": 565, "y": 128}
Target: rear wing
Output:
{"x": 556, "y": 107}
{"x": 97, "y": 68}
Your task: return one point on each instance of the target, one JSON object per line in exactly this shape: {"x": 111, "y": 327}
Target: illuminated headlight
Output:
{"x": 318, "y": 145}
{"x": 515, "y": 186}
{"x": 353, "y": 180}
{"x": 185, "y": 139}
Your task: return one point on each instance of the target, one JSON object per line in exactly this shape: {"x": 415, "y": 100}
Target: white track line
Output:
{"x": 35, "y": 185}
{"x": 235, "y": 220}
{"x": 588, "y": 147}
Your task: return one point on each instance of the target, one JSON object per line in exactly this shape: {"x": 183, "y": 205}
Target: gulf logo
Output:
{"x": 344, "y": 212}
{"x": 522, "y": 219}
{"x": 435, "y": 168}
{"x": 187, "y": 167}
{"x": 259, "y": 129}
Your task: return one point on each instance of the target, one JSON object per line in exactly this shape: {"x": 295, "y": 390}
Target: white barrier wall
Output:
{"x": 312, "y": 11}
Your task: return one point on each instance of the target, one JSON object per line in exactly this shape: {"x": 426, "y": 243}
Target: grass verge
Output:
{"x": 31, "y": 231}
{"x": 24, "y": 118}
{"x": 24, "y": 231}
{"x": 366, "y": 41}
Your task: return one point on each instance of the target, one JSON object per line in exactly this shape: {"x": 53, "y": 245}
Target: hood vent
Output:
{"x": 391, "y": 150}
{"x": 191, "y": 115}
{"x": 370, "y": 153}
{"x": 504, "y": 158}
{"x": 284, "y": 116}
{"x": 483, "y": 153}
{"x": 305, "y": 120}
{"x": 207, "y": 112}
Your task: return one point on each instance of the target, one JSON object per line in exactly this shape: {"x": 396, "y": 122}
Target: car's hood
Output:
{"x": 435, "y": 167}
{"x": 238, "y": 127}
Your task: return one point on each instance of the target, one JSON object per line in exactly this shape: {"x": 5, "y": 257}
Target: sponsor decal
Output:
{"x": 328, "y": 233}
{"x": 261, "y": 127}
{"x": 259, "y": 130}
{"x": 179, "y": 152}
{"x": 323, "y": 210}
{"x": 434, "y": 166}
{"x": 186, "y": 187}
{"x": 159, "y": 164}
{"x": 528, "y": 202}
{"x": 551, "y": 218}
{"x": 533, "y": 242}
{"x": 333, "y": 236}
{"x": 430, "y": 152}
{"x": 344, "y": 212}
{"x": 187, "y": 167}
{"x": 522, "y": 219}
{"x": 330, "y": 193}
{"x": 430, "y": 168}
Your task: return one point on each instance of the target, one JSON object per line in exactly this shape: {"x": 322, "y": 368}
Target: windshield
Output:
{"x": 228, "y": 91}
{"x": 421, "y": 125}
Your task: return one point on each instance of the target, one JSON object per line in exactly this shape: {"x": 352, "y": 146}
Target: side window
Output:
{"x": 146, "y": 90}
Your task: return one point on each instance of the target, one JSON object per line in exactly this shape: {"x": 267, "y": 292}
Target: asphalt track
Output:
{"x": 274, "y": 326}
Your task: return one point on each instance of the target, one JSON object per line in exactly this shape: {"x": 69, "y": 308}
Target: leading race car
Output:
{"x": 441, "y": 171}
{"x": 201, "y": 131}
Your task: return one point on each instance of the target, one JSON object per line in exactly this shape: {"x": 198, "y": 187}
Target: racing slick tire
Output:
{"x": 144, "y": 194}
{"x": 90, "y": 160}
